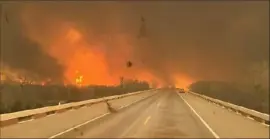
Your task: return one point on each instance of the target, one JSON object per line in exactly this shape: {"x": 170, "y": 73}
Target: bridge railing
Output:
{"x": 16, "y": 117}
{"x": 258, "y": 116}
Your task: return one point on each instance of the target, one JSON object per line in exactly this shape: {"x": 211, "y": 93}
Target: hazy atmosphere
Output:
{"x": 174, "y": 43}
{"x": 134, "y": 69}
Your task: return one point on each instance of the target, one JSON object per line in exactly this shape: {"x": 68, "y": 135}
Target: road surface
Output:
{"x": 166, "y": 114}
{"x": 163, "y": 116}
{"x": 56, "y": 123}
{"x": 172, "y": 115}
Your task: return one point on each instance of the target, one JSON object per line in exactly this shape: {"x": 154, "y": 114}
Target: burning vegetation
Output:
{"x": 162, "y": 46}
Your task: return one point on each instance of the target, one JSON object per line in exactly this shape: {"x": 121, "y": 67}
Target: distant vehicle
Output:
{"x": 181, "y": 90}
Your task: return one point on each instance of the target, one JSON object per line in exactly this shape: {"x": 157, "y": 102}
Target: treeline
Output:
{"x": 253, "y": 99}
{"x": 16, "y": 97}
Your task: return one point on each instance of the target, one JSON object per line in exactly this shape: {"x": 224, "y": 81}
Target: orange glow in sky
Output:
{"x": 87, "y": 64}
{"x": 86, "y": 60}
{"x": 182, "y": 81}
{"x": 79, "y": 56}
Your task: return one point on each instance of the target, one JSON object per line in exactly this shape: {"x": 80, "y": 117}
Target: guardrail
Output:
{"x": 16, "y": 117}
{"x": 257, "y": 116}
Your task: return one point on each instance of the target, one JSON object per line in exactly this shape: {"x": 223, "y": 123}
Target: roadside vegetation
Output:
{"x": 17, "y": 97}
{"x": 255, "y": 98}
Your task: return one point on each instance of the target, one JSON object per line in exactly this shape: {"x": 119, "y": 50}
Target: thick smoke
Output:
{"x": 226, "y": 41}
{"x": 23, "y": 55}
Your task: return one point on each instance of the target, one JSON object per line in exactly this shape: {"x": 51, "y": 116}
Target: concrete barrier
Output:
{"x": 258, "y": 116}
{"x": 16, "y": 117}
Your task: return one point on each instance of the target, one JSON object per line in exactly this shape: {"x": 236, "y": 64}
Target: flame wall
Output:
{"x": 183, "y": 42}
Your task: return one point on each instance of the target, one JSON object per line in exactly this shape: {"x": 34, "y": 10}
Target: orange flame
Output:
{"x": 182, "y": 81}
{"x": 84, "y": 59}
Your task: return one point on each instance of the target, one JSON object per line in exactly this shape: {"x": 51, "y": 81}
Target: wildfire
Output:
{"x": 182, "y": 81}
{"x": 43, "y": 83}
{"x": 2, "y": 76}
{"x": 88, "y": 59}
{"x": 79, "y": 79}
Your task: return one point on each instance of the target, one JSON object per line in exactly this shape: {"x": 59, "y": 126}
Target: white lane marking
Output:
{"x": 136, "y": 122}
{"x": 135, "y": 102}
{"x": 70, "y": 129}
{"x": 241, "y": 113}
{"x": 207, "y": 126}
{"x": 147, "y": 119}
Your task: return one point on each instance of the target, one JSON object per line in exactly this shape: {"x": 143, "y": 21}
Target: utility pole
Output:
{"x": 121, "y": 81}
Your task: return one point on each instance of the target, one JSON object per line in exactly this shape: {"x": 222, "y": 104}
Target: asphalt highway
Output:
{"x": 162, "y": 116}
{"x": 53, "y": 124}
{"x": 157, "y": 114}
{"x": 173, "y": 115}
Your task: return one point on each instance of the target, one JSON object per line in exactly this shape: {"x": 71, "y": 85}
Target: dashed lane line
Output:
{"x": 147, "y": 119}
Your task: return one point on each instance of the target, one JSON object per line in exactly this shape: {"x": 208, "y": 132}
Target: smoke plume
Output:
{"x": 182, "y": 42}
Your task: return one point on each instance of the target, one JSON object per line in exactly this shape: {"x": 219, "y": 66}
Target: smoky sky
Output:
{"x": 23, "y": 55}
{"x": 226, "y": 41}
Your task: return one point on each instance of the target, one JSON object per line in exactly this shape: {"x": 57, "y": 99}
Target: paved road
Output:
{"x": 227, "y": 124}
{"x": 172, "y": 115}
{"x": 163, "y": 116}
{"x": 48, "y": 126}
